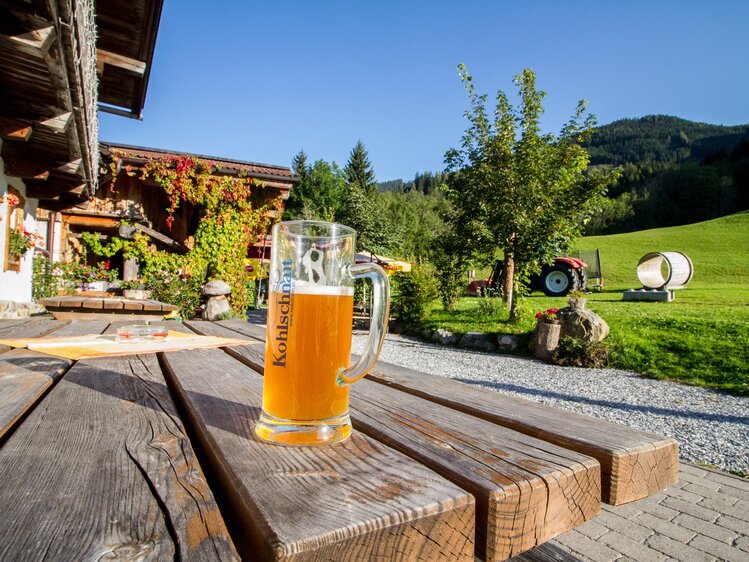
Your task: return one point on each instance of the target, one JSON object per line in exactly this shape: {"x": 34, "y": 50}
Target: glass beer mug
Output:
{"x": 308, "y": 345}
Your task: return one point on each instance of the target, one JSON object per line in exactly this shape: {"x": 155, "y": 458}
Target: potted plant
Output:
{"x": 135, "y": 289}
{"x": 576, "y": 299}
{"x": 546, "y": 334}
{"x": 21, "y": 241}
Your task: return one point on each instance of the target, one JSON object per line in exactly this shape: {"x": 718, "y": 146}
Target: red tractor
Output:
{"x": 557, "y": 279}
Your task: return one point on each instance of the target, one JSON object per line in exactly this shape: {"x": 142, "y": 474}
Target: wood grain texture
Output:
{"x": 634, "y": 463}
{"x": 357, "y": 500}
{"x": 102, "y": 469}
{"x": 26, "y": 328}
{"x": 527, "y": 491}
{"x": 26, "y": 375}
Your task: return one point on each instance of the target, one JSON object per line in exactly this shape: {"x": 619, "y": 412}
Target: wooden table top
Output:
{"x": 153, "y": 456}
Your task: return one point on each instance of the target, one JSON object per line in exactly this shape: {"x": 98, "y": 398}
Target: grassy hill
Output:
{"x": 719, "y": 250}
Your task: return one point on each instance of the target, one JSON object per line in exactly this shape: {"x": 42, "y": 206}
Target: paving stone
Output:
{"x": 685, "y": 468}
{"x": 706, "y": 492}
{"x": 702, "y": 512}
{"x": 683, "y": 494}
{"x": 672, "y": 530}
{"x": 592, "y": 529}
{"x": 627, "y": 527}
{"x": 734, "y": 524}
{"x": 633, "y": 548}
{"x": 717, "y": 548}
{"x": 735, "y": 492}
{"x": 688, "y": 477}
{"x": 702, "y": 527}
{"x": 742, "y": 543}
{"x": 662, "y": 512}
{"x": 580, "y": 544}
{"x": 728, "y": 480}
{"x": 677, "y": 550}
{"x": 739, "y": 510}
{"x": 628, "y": 511}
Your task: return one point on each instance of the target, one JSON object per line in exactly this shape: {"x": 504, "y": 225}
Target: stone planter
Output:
{"x": 547, "y": 340}
{"x": 139, "y": 294}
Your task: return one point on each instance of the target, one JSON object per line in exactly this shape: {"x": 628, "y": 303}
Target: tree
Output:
{"x": 299, "y": 165}
{"x": 318, "y": 195}
{"x": 519, "y": 190}
{"x": 359, "y": 170}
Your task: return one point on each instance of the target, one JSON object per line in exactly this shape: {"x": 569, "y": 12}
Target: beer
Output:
{"x": 308, "y": 343}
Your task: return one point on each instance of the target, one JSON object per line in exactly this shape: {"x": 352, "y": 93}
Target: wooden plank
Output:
{"x": 103, "y": 469}
{"x": 152, "y": 306}
{"x": 27, "y": 328}
{"x": 132, "y": 304}
{"x": 171, "y": 243}
{"x": 35, "y": 43}
{"x": 634, "y": 463}
{"x": 113, "y": 304}
{"x": 93, "y": 303}
{"x": 26, "y": 375}
{"x": 357, "y": 500}
{"x": 13, "y": 130}
{"x": 527, "y": 491}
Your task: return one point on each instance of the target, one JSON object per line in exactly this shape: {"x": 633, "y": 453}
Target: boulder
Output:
{"x": 509, "y": 342}
{"x": 478, "y": 340}
{"x": 445, "y": 337}
{"x": 15, "y": 310}
{"x": 216, "y": 288}
{"x": 215, "y": 307}
{"x": 583, "y": 324}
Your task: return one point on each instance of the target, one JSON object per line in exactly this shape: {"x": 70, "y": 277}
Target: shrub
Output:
{"x": 43, "y": 282}
{"x": 488, "y": 307}
{"x": 412, "y": 293}
{"x": 574, "y": 352}
{"x": 184, "y": 291}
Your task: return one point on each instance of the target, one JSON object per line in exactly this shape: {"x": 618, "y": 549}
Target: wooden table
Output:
{"x": 71, "y": 307}
{"x": 152, "y": 456}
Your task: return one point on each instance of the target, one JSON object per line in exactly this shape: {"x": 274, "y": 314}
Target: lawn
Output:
{"x": 700, "y": 338}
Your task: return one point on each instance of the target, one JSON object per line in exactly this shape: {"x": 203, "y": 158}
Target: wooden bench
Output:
{"x": 154, "y": 456}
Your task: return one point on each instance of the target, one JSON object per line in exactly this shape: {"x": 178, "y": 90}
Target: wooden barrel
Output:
{"x": 665, "y": 270}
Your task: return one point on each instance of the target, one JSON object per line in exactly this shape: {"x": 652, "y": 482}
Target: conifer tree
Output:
{"x": 299, "y": 165}
{"x": 359, "y": 169}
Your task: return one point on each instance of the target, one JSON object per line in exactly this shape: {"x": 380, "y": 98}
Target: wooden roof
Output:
{"x": 48, "y": 87}
{"x": 137, "y": 155}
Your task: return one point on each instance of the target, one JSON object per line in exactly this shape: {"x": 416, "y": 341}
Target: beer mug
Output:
{"x": 308, "y": 345}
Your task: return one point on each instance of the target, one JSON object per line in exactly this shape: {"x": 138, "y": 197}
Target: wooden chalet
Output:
{"x": 62, "y": 60}
{"x": 144, "y": 203}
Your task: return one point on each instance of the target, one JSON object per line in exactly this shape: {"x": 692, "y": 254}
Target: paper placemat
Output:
{"x": 105, "y": 345}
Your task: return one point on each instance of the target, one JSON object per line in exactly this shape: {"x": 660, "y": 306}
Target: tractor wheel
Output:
{"x": 558, "y": 280}
{"x": 582, "y": 279}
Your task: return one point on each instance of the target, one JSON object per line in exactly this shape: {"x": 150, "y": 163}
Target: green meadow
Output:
{"x": 700, "y": 338}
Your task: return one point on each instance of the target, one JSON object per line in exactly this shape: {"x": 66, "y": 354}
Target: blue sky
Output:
{"x": 260, "y": 80}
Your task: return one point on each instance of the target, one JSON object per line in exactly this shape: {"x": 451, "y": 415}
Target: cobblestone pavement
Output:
{"x": 705, "y": 516}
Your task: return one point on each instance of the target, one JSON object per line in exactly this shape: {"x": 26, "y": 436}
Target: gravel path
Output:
{"x": 710, "y": 427}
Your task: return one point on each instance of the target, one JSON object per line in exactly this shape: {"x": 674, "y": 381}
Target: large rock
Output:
{"x": 216, "y": 288}
{"x": 215, "y": 307}
{"x": 445, "y": 337}
{"x": 582, "y": 324}
{"x": 14, "y": 310}
{"x": 509, "y": 342}
{"x": 478, "y": 340}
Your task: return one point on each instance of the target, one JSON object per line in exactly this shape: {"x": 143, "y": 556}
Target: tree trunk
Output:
{"x": 508, "y": 279}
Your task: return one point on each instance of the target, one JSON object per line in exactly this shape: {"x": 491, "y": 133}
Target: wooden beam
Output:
{"x": 22, "y": 163}
{"x": 162, "y": 238}
{"x": 89, "y": 222}
{"x": 34, "y": 43}
{"x": 13, "y": 130}
{"x": 59, "y": 122}
{"x": 71, "y": 167}
{"x": 120, "y": 61}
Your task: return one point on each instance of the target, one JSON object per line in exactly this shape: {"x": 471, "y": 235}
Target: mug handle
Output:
{"x": 377, "y": 325}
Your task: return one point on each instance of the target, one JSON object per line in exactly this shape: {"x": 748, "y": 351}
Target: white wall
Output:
{"x": 15, "y": 286}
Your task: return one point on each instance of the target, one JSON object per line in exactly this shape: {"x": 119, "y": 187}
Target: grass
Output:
{"x": 701, "y": 338}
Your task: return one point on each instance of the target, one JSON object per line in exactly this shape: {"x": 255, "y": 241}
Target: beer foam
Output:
{"x": 328, "y": 290}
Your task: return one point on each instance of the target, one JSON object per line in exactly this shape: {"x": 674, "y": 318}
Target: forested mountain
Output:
{"x": 663, "y": 139}
{"x": 674, "y": 172}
